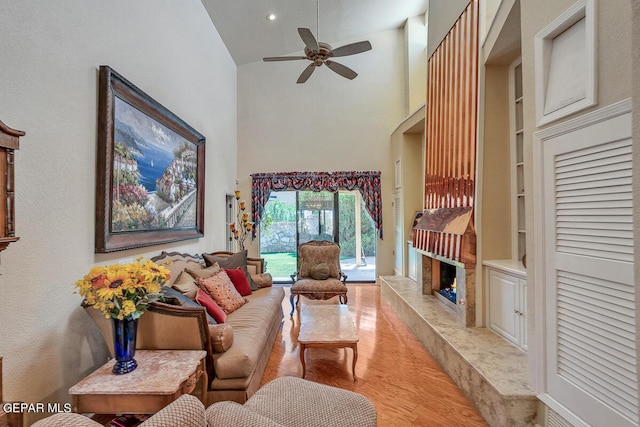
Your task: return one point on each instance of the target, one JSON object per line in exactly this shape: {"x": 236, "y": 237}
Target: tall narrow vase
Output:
{"x": 124, "y": 345}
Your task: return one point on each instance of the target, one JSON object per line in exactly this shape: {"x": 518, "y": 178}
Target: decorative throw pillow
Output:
{"x": 203, "y": 272}
{"x": 176, "y": 263}
{"x": 263, "y": 280}
{"x": 239, "y": 281}
{"x": 174, "y": 297}
{"x": 319, "y": 271}
{"x": 212, "y": 307}
{"x": 186, "y": 285}
{"x": 220, "y": 288}
{"x": 238, "y": 259}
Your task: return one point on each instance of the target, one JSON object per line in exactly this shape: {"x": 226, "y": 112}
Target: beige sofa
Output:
{"x": 283, "y": 402}
{"x": 237, "y": 351}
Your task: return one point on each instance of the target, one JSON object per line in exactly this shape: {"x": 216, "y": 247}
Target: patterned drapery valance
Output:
{"x": 367, "y": 182}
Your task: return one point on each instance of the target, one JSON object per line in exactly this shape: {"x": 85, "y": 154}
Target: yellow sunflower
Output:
{"x": 123, "y": 290}
{"x": 117, "y": 282}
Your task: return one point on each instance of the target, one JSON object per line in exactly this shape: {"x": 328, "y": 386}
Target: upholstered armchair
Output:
{"x": 319, "y": 276}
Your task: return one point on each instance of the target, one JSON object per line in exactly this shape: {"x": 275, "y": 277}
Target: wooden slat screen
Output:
{"x": 452, "y": 97}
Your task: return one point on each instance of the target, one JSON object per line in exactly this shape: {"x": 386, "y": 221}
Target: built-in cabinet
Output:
{"x": 412, "y": 261}
{"x": 517, "y": 160}
{"x": 507, "y": 299}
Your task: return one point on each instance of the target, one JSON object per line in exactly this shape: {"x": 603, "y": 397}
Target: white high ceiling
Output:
{"x": 249, "y": 36}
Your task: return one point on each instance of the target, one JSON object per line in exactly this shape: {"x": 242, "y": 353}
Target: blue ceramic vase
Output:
{"x": 124, "y": 345}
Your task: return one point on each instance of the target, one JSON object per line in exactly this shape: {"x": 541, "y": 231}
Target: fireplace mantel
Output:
{"x": 447, "y": 234}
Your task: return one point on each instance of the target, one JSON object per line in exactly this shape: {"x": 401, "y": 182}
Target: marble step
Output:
{"x": 491, "y": 372}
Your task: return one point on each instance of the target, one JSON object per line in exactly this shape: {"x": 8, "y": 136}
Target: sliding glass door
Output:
{"x": 295, "y": 217}
{"x": 316, "y": 216}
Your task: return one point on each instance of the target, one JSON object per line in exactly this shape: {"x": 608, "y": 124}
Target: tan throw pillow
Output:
{"x": 238, "y": 259}
{"x": 197, "y": 273}
{"x": 319, "y": 271}
{"x": 221, "y": 289}
{"x": 186, "y": 285}
{"x": 263, "y": 280}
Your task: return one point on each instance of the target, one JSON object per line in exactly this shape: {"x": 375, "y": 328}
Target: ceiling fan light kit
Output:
{"x": 320, "y": 53}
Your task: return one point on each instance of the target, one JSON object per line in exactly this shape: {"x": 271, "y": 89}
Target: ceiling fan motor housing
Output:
{"x": 324, "y": 52}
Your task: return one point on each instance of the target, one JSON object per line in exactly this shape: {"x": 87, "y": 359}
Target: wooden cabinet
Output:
{"x": 507, "y": 300}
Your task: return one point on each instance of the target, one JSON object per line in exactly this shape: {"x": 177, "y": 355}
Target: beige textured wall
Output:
{"x": 412, "y": 179}
{"x": 496, "y": 175}
{"x": 415, "y": 69}
{"x": 51, "y": 52}
{"x": 442, "y": 15}
{"x": 328, "y": 123}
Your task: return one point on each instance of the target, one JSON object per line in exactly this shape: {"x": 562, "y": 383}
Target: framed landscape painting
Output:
{"x": 150, "y": 170}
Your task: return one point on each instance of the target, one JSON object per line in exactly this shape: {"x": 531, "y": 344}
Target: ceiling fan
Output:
{"x": 320, "y": 53}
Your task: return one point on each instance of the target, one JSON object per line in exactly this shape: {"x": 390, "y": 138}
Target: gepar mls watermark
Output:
{"x": 39, "y": 407}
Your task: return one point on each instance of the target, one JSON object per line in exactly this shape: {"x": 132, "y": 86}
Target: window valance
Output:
{"x": 368, "y": 183}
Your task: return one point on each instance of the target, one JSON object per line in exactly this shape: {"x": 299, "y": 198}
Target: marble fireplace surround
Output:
{"x": 465, "y": 308}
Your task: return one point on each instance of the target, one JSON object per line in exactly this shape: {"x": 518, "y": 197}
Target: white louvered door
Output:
{"x": 399, "y": 236}
{"x": 588, "y": 272}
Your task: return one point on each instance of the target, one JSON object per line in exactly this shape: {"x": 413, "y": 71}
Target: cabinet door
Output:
{"x": 503, "y": 317}
{"x": 522, "y": 290}
{"x": 413, "y": 271}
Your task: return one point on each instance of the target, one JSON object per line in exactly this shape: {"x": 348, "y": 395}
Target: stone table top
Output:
{"x": 158, "y": 372}
{"x": 326, "y": 324}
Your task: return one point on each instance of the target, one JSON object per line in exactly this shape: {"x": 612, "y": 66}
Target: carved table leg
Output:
{"x": 302, "y": 348}
{"x": 355, "y": 358}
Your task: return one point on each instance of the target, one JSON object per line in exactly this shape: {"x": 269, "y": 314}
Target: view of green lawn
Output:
{"x": 280, "y": 264}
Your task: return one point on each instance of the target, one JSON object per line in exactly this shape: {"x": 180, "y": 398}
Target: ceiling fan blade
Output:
{"x": 306, "y": 73}
{"x": 309, "y": 40}
{"x": 282, "y": 58}
{"x": 352, "y": 49}
{"x": 344, "y": 71}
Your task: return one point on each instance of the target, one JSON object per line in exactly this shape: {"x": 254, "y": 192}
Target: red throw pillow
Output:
{"x": 212, "y": 307}
{"x": 239, "y": 281}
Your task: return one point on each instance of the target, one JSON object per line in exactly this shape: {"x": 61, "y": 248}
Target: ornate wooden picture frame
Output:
{"x": 9, "y": 142}
{"x": 150, "y": 170}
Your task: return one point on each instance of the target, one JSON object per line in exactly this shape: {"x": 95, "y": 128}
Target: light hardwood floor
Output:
{"x": 393, "y": 369}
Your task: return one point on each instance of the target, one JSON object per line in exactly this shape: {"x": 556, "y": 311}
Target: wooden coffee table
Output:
{"x": 327, "y": 326}
{"x": 160, "y": 378}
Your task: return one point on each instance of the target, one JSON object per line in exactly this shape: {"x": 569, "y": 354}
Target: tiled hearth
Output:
{"x": 491, "y": 372}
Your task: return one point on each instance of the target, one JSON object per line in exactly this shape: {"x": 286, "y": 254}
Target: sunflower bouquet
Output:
{"x": 123, "y": 290}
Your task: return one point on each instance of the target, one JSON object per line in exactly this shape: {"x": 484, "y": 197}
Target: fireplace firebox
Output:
{"x": 448, "y": 285}
{"x": 453, "y": 284}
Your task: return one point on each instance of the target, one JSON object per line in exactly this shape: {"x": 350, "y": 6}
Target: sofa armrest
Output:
{"x": 171, "y": 327}
{"x": 187, "y": 410}
{"x": 228, "y": 413}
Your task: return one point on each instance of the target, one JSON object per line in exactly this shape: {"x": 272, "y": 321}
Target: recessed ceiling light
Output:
{"x": 271, "y": 16}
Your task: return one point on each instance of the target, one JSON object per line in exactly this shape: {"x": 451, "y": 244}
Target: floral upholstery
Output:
{"x": 311, "y": 254}
{"x": 317, "y": 252}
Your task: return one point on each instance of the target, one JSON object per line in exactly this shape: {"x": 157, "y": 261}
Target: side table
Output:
{"x": 160, "y": 378}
